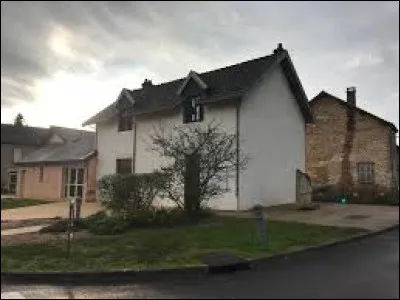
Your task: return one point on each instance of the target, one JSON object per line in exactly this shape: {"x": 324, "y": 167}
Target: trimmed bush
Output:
{"x": 125, "y": 194}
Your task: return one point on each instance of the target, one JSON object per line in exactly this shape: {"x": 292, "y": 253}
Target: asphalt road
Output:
{"x": 367, "y": 268}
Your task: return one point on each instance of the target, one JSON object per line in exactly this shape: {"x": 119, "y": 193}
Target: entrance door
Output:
{"x": 74, "y": 183}
{"x": 12, "y": 182}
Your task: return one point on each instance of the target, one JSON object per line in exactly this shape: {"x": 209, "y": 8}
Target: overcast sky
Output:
{"x": 61, "y": 62}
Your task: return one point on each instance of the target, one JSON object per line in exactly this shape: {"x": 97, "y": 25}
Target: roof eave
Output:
{"x": 296, "y": 85}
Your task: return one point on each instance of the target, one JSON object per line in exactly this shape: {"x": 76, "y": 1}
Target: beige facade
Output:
{"x": 48, "y": 181}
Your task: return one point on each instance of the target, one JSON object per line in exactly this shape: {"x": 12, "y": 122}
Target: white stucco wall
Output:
{"x": 112, "y": 145}
{"x": 272, "y": 132}
{"x": 147, "y": 161}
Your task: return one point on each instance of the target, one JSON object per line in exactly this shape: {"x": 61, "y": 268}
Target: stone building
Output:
{"x": 349, "y": 151}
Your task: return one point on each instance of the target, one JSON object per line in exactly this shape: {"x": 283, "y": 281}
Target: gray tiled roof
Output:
{"x": 78, "y": 144}
{"x": 229, "y": 81}
{"x": 23, "y": 135}
{"x": 224, "y": 83}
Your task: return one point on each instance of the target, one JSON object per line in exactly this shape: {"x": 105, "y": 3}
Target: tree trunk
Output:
{"x": 192, "y": 185}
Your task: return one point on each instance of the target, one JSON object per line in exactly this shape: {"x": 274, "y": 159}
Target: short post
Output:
{"x": 70, "y": 227}
{"x": 261, "y": 224}
{"x": 78, "y": 205}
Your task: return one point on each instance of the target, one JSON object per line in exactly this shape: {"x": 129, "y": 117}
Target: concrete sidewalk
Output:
{"x": 22, "y": 230}
{"x": 48, "y": 211}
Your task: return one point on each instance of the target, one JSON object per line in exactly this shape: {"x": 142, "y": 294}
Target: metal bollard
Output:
{"x": 261, "y": 224}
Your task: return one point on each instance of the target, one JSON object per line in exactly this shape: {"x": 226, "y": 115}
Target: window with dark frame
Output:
{"x": 193, "y": 111}
{"x": 125, "y": 121}
{"x": 124, "y": 166}
{"x": 41, "y": 173}
{"x": 365, "y": 173}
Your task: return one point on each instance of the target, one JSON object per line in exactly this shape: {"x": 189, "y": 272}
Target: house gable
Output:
{"x": 361, "y": 112}
{"x": 55, "y": 139}
{"x": 192, "y": 86}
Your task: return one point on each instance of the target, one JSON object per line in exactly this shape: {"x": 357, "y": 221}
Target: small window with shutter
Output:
{"x": 193, "y": 111}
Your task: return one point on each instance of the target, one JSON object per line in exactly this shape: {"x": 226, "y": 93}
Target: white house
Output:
{"x": 261, "y": 100}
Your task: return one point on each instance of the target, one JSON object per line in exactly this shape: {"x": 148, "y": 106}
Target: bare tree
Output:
{"x": 202, "y": 156}
{"x": 19, "y": 120}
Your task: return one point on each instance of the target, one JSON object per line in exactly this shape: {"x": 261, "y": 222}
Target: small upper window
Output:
{"x": 193, "y": 111}
{"x": 365, "y": 172}
{"x": 125, "y": 122}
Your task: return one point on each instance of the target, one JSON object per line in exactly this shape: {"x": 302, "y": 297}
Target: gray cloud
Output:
{"x": 333, "y": 44}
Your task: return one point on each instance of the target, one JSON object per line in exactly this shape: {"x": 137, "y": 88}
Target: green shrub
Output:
{"x": 102, "y": 224}
{"x": 124, "y": 194}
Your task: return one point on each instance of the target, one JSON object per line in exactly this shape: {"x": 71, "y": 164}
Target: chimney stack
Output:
{"x": 280, "y": 48}
{"x": 351, "y": 96}
{"x": 147, "y": 83}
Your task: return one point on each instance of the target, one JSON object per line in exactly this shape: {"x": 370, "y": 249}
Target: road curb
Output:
{"x": 291, "y": 254}
{"x": 102, "y": 278}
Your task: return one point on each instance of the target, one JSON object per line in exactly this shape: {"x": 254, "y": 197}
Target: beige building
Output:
{"x": 350, "y": 151}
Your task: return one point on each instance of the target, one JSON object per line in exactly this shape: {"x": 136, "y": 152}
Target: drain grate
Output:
{"x": 357, "y": 217}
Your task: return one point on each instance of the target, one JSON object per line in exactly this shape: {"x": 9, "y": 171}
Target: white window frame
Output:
{"x": 75, "y": 185}
{"x": 10, "y": 173}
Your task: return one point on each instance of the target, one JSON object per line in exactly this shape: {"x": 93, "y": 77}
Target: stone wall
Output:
{"x": 341, "y": 138}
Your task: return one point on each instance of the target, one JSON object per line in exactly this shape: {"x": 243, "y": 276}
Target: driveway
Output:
{"x": 368, "y": 217}
{"x": 367, "y": 268}
{"x": 47, "y": 211}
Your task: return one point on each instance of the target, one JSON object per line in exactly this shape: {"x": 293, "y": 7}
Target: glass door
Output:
{"x": 74, "y": 183}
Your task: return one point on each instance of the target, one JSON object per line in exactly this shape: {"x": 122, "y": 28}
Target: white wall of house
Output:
{"x": 112, "y": 145}
{"x": 147, "y": 160}
{"x": 272, "y": 132}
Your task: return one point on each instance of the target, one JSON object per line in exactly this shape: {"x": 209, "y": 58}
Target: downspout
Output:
{"x": 134, "y": 127}
{"x": 237, "y": 154}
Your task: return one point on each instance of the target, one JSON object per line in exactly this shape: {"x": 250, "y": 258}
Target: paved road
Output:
{"x": 365, "y": 269}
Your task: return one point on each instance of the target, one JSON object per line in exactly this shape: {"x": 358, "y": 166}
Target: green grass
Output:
{"x": 8, "y": 203}
{"x": 172, "y": 247}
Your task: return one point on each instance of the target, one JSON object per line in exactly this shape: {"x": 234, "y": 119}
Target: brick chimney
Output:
{"x": 147, "y": 83}
{"x": 351, "y": 96}
{"x": 280, "y": 48}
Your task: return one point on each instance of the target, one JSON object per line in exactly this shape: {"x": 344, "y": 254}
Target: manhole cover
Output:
{"x": 356, "y": 217}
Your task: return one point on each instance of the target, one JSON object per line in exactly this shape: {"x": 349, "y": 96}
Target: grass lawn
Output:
{"x": 8, "y": 203}
{"x": 169, "y": 247}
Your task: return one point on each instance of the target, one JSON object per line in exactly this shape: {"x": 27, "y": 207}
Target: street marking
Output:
{"x": 12, "y": 295}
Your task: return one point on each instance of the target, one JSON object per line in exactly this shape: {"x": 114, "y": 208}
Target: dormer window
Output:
{"x": 125, "y": 121}
{"x": 193, "y": 111}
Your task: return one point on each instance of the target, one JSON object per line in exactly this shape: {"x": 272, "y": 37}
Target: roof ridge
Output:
{"x": 68, "y": 128}
{"x": 24, "y": 126}
{"x": 210, "y": 71}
